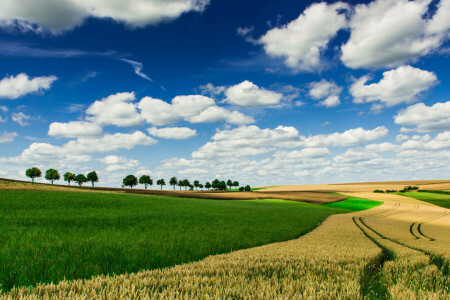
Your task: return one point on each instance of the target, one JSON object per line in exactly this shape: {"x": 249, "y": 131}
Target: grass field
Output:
{"x": 434, "y": 198}
{"x": 47, "y": 236}
{"x": 355, "y": 204}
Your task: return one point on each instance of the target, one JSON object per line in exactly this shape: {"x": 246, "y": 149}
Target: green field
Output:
{"x": 47, "y": 236}
{"x": 355, "y": 204}
{"x": 434, "y": 198}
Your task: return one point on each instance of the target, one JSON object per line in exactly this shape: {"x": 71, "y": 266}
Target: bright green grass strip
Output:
{"x": 355, "y": 204}
{"x": 46, "y": 236}
{"x": 434, "y": 198}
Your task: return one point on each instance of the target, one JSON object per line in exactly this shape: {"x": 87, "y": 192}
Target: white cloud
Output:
{"x": 3, "y": 108}
{"x": 116, "y": 163}
{"x": 331, "y": 101}
{"x": 177, "y": 133}
{"x": 388, "y": 33}
{"x": 352, "y": 156}
{"x": 109, "y": 142}
{"x": 13, "y": 87}
{"x": 351, "y": 137}
{"x": 252, "y": 140}
{"x": 220, "y": 114}
{"x": 247, "y": 94}
{"x": 74, "y": 129}
{"x": 425, "y": 118}
{"x": 21, "y": 118}
{"x": 403, "y": 84}
{"x": 303, "y": 40}
{"x": 191, "y": 108}
{"x": 306, "y": 153}
{"x": 117, "y": 109}
{"x": 58, "y": 16}
{"x": 211, "y": 89}
{"x": 7, "y": 137}
{"x": 327, "y": 90}
{"x": 75, "y": 152}
{"x": 157, "y": 112}
{"x": 324, "y": 88}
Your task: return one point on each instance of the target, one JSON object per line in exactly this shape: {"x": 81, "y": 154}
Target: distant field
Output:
{"x": 47, "y": 235}
{"x": 434, "y": 198}
{"x": 355, "y": 204}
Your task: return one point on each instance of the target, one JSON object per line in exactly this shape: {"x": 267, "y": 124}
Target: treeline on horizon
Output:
{"x": 130, "y": 180}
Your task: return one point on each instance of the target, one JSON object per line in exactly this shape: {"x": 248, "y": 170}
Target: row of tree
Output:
{"x": 216, "y": 184}
{"x": 52, "y": 175}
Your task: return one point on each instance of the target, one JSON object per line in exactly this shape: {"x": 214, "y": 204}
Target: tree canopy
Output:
{"x": 161, "y": 182}
{"x": 146, "y": 180}
{"x": 33, "y": 173}
{"x": 130, "y": 181}
{"x": 52, "y": 175}
{"x": 92, "y": 177}
{"x": 80, "y": 179}
{"x": 69, "y": 177}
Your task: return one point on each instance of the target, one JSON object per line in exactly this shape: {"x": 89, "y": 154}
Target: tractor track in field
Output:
{"x": 419, "y": 226}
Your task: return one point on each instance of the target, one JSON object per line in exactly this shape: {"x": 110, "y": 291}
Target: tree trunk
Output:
{"x": 52, "y": 181}
{"x": 69, "y": 182}
{"x": 92, "y": 184}
{"x": 161, "y": 187}
{"x": 32, "y": 180}
{"x": 145, "y": 186}
{"x": 174, "y": 187}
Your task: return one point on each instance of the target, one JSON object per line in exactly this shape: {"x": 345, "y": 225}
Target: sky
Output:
{"x": 260, "y": 92}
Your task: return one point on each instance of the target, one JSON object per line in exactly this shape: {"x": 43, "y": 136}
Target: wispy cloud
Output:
{"x": 138, "y": 66}
{"x": 27, "y": 50}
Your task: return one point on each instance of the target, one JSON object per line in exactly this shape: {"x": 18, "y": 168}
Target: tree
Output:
{"x": 200, "y": 186}
{"x": 207, "y": 185}
{"x": 80, "y": 179}
{"x": 161, "y": 182}
{"x": 146, "y": 180}
{"x": 92, "y": 177}
{"x": 33, "y": 173}
{"x": 52, "y": 175}
{"x": 236, "y": 183}
{"x": 196, "y": 184}
{"x": 186, "y": 183}
{"x": 248, "y": 188}
{"x": 229, "y": 183}
{"x": 215, "y": 184}
{"x": 222, "y": 186}
{"x": 130, "y": 181}
{"x": 69, "y": 177}
{"x": 173, "y": 181}
{"x": 180, "y": 184}
{"x": 241, "y": 189}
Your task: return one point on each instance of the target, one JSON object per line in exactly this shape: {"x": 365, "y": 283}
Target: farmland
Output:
{"x": 398, "y": 250}
{"x": 48, "y": 236}
{"x": 434, "y": 198}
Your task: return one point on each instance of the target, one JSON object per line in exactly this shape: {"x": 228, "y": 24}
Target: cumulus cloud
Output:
{"x": 58, "y": 16}
{"x": 425, "y": 118}
{"x": 177, "y": 133}
{"x": 248, "y": 94}
{"x": 74, "y": 129}
{"x": 13, "y": 87}
{"x": 21, "y": 118}
{"x": 351, "y": 137}
{"x": 220, "y": 114}
{"x": 109, "y": 142}
{"x": 117, "y": 109}
{"x": 403, "y": 84}
{"x": 116, "y": 163}
{"x": 77, "y": 151}
{"x": 302, "y": 41}
{"x": 191, "y": 108}
{"x": 252, "y": 140}
{"x": 324, "y": 88}
{"x": 388, "y": 33}
{"x": 7, "y": 137}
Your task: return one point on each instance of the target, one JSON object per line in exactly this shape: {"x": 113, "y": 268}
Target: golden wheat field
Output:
{"x": 399, "y": 250}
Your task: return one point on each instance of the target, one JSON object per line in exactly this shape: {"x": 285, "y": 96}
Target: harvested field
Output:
{"x": 309, "y": 197}
{"x": 365, "y": 186}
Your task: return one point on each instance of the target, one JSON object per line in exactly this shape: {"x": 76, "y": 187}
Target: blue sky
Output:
{"x": 263, "y": 92}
